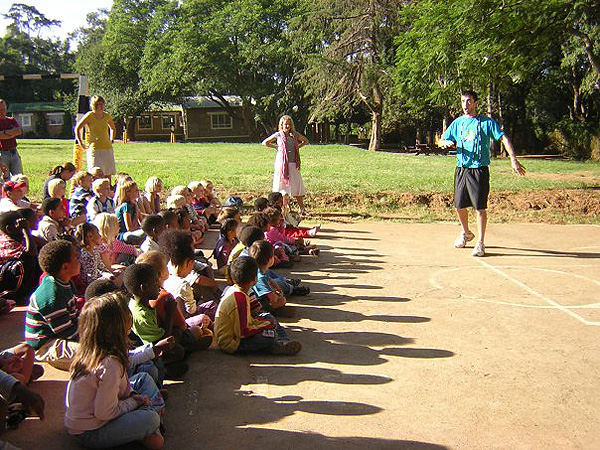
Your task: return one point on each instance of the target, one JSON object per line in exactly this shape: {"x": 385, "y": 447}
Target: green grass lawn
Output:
{"x": 325, "y": 168}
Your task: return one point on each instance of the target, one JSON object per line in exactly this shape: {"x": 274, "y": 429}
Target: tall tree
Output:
{"x": 23, "y": 50}
{"x": 349, "y": 48}
{"x": 112, "y": 52}
{"x": 234, "y": 47}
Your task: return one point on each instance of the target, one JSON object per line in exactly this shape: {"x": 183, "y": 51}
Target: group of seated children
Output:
{"x": 108, "y": 269}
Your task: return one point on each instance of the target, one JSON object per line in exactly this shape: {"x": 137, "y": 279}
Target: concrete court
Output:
{"x": 407, "y": 343}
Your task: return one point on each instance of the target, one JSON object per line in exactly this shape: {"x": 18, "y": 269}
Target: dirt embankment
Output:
{"x": 552, "y": 206}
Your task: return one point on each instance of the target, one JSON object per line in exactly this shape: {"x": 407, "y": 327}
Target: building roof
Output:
{"x": 37, "y": 107}
{"x": 203, "y": 101}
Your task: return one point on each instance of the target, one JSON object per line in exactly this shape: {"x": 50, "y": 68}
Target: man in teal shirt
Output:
{"x": 471, "y": 134}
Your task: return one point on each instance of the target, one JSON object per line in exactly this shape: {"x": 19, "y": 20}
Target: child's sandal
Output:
{"x": 314, "y": 252}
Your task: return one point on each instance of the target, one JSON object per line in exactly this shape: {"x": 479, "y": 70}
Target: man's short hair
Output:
{"x": 177, "y": 246}
{"x": 151, "y": 222}
{"x": 54, "y": 254}
{"x": 50, "y": 204}
{"x": 243, "y": 270}
{"x": 249, "y": 235}
{"x": 262, "y": 252}
{"x": 469, "y": 93}
{"x": 99, "y": 287}
{"x": 136, "y": 275}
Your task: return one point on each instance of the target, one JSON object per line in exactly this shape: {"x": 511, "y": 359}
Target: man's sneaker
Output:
{"x": 463, "y": 238}
{"x": 479, "y": 249}
{"x": 289, "y": 348}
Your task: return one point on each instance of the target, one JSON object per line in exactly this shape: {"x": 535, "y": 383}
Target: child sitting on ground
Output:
{"x": 201, "y": 204}
{"x": 92, "y": 266}
{"x": 127, "y": 214}
{"x": 248, "y": 236}
{"x": 142, "y": 283}
{"x": 18, "y": 362}
{"x": 57, "y": 188}
{"x": 266, "y": 290}
{"x": 276, "y": 236}
{"x": 177, "y": 246}
{"x": 184, "y": 224}
{"x": 198, "y": 222}
{"x": 153, "y": 225}
{"x": 97, "y": 173}
{"x": 100, "y": 202}
{"x": 25, "y": 201}
{"x": 64, "y": 172}
{"x": 51, "y": 318}
{"x": 150, "y": 199}
{"x": 260, "y": 204}
{"x": 13, "y": 196}
{"x": 142, "y": 357}
{"x": 51, "y": 224}
{"x": 226, "y": 242}
{"x": 291, "y": 219}
{"x": 105, "y": 409}
{"x": 114, "y": 253}
{"x": 171, "y": 222}
{"x": 19, "y": 269}
{"x": 82, "y": 193}
{"x": 262, "y": 251}
{"x": 236, "y": 331}
{"x": 32, "y": 224}
{"x": 191, "y": 337}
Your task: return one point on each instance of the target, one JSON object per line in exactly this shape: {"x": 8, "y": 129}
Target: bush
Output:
{"x": 573, "y": 139}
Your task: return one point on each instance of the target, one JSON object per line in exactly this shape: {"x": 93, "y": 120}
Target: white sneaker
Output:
{"x": 479, "y": 249}
{"x": 463, "y": 238}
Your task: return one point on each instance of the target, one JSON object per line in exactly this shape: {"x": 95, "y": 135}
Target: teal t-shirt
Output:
{"x": 472, "y": 137}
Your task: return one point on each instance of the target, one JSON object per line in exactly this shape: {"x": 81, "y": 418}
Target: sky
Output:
{"x": 71, "y": 12}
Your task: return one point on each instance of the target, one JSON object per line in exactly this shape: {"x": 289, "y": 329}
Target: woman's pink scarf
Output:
{"x": 285, "y": 173}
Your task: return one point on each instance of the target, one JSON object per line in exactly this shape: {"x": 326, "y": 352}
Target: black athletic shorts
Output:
{"x": 471, "y": 187}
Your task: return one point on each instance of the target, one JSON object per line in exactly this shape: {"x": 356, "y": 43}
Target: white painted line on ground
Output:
{"x": 536, "y": 293}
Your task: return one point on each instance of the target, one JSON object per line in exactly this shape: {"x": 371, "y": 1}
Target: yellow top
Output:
{"x": 97, "y": 136}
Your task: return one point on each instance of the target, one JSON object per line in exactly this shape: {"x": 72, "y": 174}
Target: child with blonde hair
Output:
{"x": 96, "y": 173}
{"x": 82, "y": 193}
{"x": 101, "y": 201}
{"x": 127, "y": 213}
{"x": 105, "y": 408}
{"x": 114, "y": 253}
{"x": 57, "y": 188}
{"x": 150, "y": 199}
{"x": 201, "y": 204}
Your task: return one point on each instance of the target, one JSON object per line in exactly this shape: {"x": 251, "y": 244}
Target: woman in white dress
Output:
{"x": 288, "y": 177}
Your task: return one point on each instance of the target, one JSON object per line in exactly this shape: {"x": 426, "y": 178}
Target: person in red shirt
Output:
{"x": 9, "y": 130}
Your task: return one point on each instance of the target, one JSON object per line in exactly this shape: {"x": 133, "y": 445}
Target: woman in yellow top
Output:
{"x": 100, "y": 131}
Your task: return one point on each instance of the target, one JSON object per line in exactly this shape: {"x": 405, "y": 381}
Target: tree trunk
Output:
{"x": 131, "y": 128}
{"x": 249, "y": 123}
{"x": 375, "y": 141}
{"x": 347, "y": 137}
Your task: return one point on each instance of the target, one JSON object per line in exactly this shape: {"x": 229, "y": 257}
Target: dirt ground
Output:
{"x": 407, "y": 343}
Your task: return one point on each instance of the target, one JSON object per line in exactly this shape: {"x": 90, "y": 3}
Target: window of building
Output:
{"x": 145, "y": 122}
{"x": 25, "y": 120}
{"x": 220, "y": 121}
{"x": 55, "y": 118}
{"x": 167, "y": 121}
